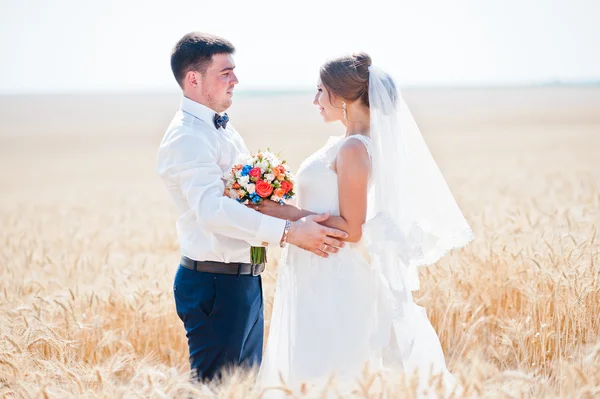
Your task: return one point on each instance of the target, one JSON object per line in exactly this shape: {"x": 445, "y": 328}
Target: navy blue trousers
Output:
{"x": 223, "y": 317}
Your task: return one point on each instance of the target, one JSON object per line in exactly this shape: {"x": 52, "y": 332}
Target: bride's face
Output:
{"x": 330, "y": 110}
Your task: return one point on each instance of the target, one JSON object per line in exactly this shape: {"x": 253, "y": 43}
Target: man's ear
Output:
{"x": 193, "y": 79}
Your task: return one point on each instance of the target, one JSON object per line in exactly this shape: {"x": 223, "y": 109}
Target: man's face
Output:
{"x": 216, "y": 87}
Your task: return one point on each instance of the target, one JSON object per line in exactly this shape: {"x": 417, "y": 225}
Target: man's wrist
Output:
{"x": 285, "y": 235}
{"x": 269, "y": 230}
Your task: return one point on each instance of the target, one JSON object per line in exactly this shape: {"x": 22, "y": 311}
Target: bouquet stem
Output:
{"x": 258, "y": 255}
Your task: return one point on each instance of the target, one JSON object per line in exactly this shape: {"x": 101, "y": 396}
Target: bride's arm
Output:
{"x": 353, "y": 166}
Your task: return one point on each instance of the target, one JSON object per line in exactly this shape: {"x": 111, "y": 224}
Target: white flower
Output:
{"x": 243, "y": 180}
{"x": 245, "y": 159}
{"x": 275, "y": 198}
{"x": 251, "y": 188}
{"x": 264, "y": 165}
{"x": 233, "y": 194}
{"x": 272, "y": 158}
{"x": 269, "y": 177}
{"x": 238, "y": 173}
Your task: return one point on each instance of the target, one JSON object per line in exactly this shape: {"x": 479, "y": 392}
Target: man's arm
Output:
{"x": 190, "y": 161}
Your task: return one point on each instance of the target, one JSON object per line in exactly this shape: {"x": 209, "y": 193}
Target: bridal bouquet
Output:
{"x": 261, "y": 176}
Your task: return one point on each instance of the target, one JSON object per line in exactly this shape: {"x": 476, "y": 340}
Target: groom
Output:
{"x": 218, "y": 293}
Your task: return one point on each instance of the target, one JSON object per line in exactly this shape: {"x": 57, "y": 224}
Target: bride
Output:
{"x": 334, "y": 315}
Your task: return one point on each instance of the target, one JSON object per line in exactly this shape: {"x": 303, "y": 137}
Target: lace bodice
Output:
{"x": 316, "y": 181}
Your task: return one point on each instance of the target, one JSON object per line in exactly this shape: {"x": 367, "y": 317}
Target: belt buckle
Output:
{"x": 257, "y": 269}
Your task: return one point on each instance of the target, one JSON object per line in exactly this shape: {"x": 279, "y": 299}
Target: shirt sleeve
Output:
{"x": 190, "y": 162}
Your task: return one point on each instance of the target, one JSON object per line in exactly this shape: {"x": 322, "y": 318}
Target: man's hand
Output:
{"x": 308, "y": 234}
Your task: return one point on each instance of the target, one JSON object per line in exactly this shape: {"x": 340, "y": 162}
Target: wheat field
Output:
{"x": 88, "y": 247}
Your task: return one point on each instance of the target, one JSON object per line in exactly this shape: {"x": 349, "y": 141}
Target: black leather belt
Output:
{"x": 222, "y": 268}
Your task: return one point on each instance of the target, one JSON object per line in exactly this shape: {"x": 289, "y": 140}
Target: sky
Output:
{"x": 124, "y": 46}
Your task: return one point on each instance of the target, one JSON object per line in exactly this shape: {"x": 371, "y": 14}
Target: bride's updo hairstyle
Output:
{"x": 347, "y": 77}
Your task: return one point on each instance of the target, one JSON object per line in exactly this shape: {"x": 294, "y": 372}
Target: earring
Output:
{"x": 344, "y": 107}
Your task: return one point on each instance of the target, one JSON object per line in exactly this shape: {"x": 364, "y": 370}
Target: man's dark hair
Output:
{"x": 194, "y": 52}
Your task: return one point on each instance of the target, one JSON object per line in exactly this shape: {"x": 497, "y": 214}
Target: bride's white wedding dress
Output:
{"x": 331, "y": 316}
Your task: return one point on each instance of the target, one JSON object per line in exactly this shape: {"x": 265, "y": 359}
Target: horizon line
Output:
{"x": 302, "y": 90}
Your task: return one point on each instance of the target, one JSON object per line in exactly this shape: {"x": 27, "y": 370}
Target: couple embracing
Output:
{"x": 375, "y": 190}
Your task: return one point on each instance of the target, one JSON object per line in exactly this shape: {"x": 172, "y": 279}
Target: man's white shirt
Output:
{"x": 192, "y": 159}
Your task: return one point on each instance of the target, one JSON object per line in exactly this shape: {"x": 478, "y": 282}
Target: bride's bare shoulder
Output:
{"x": 353, "y": 154}
{"x": 355, "y": 145}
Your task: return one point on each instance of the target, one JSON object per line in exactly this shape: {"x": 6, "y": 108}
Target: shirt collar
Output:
{"x": 198, "y": 110}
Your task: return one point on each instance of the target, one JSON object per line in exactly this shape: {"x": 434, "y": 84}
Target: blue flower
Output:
{"x": 246, "y": 170}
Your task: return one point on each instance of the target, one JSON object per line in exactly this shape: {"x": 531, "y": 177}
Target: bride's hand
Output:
{"x": 276, "y": 210}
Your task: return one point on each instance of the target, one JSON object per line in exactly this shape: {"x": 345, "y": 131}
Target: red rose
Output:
{"x": 287, "y": 186}
{"x": 263, "y": 188}
{"x": 255, "y": 173}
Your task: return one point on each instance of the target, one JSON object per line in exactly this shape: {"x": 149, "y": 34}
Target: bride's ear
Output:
{"x": 335, "y": 100}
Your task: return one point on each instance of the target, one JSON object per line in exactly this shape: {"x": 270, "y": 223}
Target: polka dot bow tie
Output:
{"x": 221, "y": 121}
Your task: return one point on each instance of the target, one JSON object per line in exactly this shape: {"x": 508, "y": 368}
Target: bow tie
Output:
{"x": 221, "y": 121}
